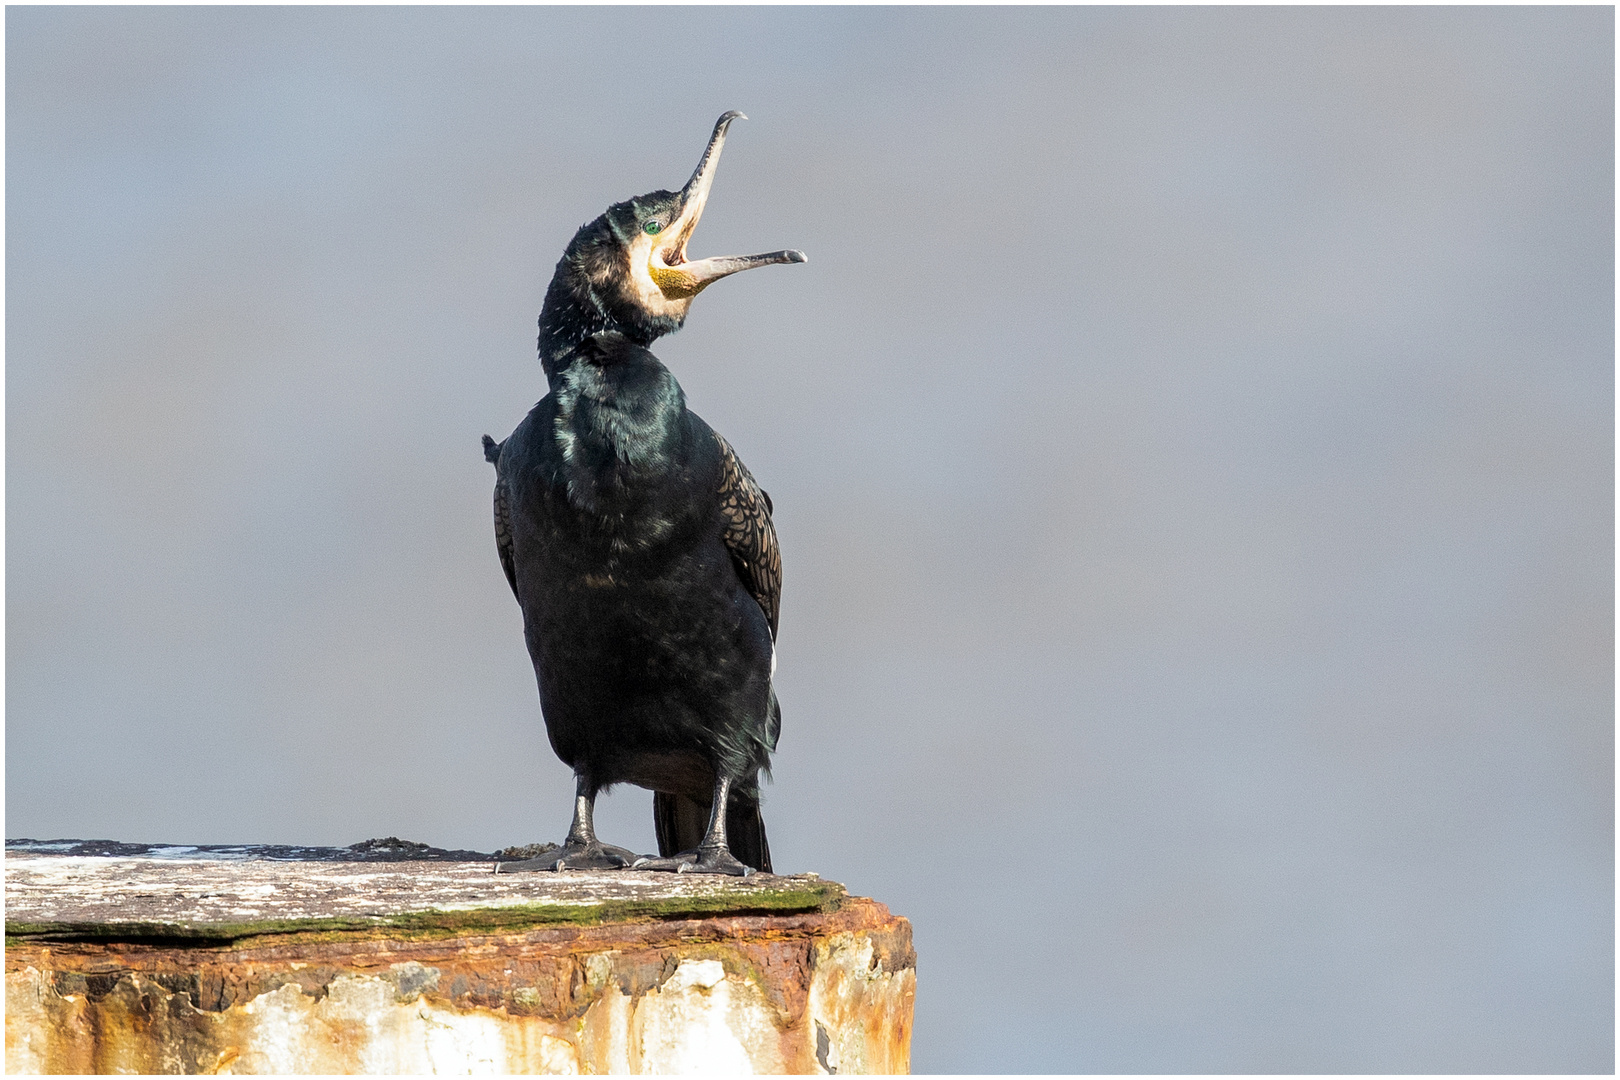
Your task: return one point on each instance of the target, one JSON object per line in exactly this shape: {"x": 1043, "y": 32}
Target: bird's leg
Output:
{"x": 713, "y": 854}
{"x": 582, "y": 850}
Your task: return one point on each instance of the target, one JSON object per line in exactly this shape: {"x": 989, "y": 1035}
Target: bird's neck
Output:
{"x": 577, "y": 310}
{"x": 618, "y": 420}
{"x": 570, "y": 316}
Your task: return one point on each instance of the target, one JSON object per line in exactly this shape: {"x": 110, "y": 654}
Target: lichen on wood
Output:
{"x": 194, "y": 900}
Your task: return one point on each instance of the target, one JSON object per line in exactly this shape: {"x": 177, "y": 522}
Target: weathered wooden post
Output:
{"x": 168, "y": 962}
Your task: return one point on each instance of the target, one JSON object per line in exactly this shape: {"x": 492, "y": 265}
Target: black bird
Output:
{"x": 642, "y": 551}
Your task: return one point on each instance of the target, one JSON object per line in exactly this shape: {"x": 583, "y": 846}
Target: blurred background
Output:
{"x": 1191, "y": 439}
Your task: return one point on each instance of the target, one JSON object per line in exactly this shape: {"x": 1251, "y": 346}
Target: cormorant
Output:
{"x": 642, "y": 551}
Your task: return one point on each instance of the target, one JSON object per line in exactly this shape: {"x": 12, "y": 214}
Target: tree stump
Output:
{"x": 221, "y": 961}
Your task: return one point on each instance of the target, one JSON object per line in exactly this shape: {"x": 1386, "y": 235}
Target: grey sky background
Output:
{"x": 1191, "y": 438}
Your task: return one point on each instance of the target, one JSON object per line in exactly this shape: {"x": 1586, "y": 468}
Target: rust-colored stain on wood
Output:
{"x": 807, "y": 992}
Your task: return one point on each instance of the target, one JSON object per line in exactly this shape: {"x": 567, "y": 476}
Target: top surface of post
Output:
{"x": 229, "y": 893}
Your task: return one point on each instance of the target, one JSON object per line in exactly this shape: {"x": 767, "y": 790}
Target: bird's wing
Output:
{"x": 749, "y": 534}
{"x": 503, "y": 535}
{"x": 503, "y": 514}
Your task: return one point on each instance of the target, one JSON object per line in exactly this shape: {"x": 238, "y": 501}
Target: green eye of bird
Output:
{"x": 653, "y": 227}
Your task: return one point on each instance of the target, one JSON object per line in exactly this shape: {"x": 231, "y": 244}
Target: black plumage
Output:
{"x": 642, "y": 551}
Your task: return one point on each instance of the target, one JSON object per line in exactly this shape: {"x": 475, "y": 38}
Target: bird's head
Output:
{"x": 631, "y": 263}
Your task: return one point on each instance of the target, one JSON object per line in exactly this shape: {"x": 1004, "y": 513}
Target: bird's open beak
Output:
{"x": 679, "y": 279}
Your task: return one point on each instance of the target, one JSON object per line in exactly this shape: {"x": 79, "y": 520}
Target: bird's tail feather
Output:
{"x": 681, "y": 821}
{"x": 745, "y": 832}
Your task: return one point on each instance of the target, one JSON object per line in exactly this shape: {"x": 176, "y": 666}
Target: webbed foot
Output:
{"x": 705, "y": 860}
{"x": 574, "y": 855}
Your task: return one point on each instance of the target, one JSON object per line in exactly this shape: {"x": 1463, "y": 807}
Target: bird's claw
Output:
{"x": 574, "y": 856}
{"x": 701, "y": 861}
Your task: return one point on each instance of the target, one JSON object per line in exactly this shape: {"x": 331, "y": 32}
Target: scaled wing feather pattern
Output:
{"x": 749, "y": 534}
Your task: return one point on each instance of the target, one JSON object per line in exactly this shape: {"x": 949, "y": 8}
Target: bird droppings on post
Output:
{"x": 160, "y": 962}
